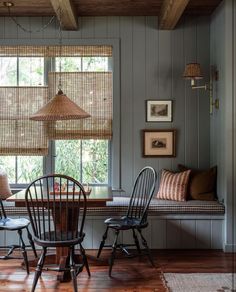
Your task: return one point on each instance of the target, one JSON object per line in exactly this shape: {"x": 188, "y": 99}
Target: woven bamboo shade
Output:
{"x": 54, "y": 51}
{"x": 93, "y": 92}
{"x": 193, "y": 71}
{"x": 79, "y": 51}
{"x": 19, "y": 135}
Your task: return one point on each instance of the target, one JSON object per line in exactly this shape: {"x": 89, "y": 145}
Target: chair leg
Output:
{"x": 136, "y": 241}
{"x": 102, "y": 242}
{"x": 85, "y": 260}
{"x": 31, "y": 242}
{"x": 113, "y": 253}
{"x": 23, "y": 250}
{"x": 144, "y": 242}
{"x": 10, "y": 251}
{"x": 73, "y": 269}
{"x": 39, "y": 268}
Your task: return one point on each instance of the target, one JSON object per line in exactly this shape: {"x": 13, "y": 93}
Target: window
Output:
{"x": 87, "y": 160}
{"x": 30, "y": 71}
{"x": 22, "y": 169}
{"x": 8, "y": 71}
{"x": 83, "y": 64}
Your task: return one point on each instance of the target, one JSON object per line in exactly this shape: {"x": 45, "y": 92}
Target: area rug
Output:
{"x": 200, "y": 282}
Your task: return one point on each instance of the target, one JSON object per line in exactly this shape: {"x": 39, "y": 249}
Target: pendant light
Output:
{"x": 60, "y": 107}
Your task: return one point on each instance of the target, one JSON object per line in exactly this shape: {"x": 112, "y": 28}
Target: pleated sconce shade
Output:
{"x": 193, "y": 71}
{"x": 5, "y": 190}
{"x": 60, "y": 107}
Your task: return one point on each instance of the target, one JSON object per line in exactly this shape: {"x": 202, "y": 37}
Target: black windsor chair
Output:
{"x": 16, "y": 224}
{"x": 57, "y": 208}
{"x": 135, "y": 218}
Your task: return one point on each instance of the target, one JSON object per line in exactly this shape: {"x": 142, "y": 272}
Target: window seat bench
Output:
{"x": 172, "y": 225}
{"x": 157, "y": 207}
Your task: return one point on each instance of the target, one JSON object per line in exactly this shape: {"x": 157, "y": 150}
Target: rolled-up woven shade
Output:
{"x": 19, "y": 135}
{"x": 56, "y": 51}
{"x": 92, "y": 91}
{"x": 79, "y": 51}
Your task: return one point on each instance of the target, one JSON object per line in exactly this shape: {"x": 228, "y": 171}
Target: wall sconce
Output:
{"x": 193, "y": 72}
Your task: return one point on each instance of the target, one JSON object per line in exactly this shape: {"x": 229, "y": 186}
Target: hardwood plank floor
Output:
{"x": 135, "y": 274}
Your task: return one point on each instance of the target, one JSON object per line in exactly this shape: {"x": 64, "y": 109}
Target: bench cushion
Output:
{"x": 173, "y": 207}
{"x": 157, "y": 207}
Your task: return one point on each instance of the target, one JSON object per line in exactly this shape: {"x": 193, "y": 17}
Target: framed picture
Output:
{"x": 159, "y": 110}
{"x": 159, "y": 143}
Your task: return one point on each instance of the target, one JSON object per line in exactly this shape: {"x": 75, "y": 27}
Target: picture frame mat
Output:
{"x": 150, "y": 117}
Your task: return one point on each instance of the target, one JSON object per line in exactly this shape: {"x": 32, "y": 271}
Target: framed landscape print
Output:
{"x": 159, "y": 143}
{"x": 159, "y": 110}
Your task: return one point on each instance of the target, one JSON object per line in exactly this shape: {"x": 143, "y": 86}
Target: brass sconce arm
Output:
{"x": 213, "y": 103}
{"x": 206, "y": 87}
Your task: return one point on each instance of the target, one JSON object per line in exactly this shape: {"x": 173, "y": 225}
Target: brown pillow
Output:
{"x": 173, "y": 186}
{"x": 202, "y": 184}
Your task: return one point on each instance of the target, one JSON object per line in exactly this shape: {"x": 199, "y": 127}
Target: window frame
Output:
{"x": 50, "y": 159}
{"x": 114, "y": 148}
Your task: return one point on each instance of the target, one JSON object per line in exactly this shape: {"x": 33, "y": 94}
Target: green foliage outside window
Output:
{"x": 95, "y": 161}
{"x": 92, "y": 155}
{"x": 84, "y": 160}
{"x": 8, "y": 76}
{"x": 22, "y": 169}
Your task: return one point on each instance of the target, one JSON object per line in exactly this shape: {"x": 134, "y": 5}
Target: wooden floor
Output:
{"x": 128, "y": 275}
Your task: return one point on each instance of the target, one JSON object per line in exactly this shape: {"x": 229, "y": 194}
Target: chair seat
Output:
{"x": 50, "y": 239}
{"x": 13, "y": 224}
{"x": 124, "y": 223}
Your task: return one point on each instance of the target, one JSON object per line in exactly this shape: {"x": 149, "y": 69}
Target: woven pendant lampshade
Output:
{"x": 193, "y": 71}
{"x": 60, "y": 107}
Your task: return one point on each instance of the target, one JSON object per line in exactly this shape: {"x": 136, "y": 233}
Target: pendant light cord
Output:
{"x": 8, "y": 5}
{"x": 60, "y": 53}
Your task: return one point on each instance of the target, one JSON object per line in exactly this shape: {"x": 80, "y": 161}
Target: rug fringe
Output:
{"x": 164, "y": 282}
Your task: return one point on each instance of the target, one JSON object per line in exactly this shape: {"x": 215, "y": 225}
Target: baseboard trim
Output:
{"x": 229, "y": 247}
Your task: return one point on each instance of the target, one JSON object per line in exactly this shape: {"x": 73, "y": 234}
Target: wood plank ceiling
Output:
{"x": 111, "y": 8}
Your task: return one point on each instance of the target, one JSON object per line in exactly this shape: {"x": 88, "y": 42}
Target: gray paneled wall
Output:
{"x": 151, "y": 67}
{"x": 223, "y": 122}
{"x": 218, "y": 123}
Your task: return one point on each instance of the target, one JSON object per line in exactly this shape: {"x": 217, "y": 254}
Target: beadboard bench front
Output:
{"x": 172, "y": 225}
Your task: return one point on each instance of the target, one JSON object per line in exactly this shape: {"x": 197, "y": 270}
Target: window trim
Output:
{"x": 115, "y": 160}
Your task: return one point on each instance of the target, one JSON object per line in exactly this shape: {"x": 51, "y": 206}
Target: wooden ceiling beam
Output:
{"x": 65, "y": 11}
{"x": 171, "y": 12}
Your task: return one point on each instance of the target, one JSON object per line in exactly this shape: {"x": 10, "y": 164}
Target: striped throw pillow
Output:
{"x": 173, "y": 186}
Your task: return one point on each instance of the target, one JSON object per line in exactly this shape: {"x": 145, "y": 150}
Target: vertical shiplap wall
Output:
{"x": 218, "y": 123}
{"x": 151, "y": 67}
{"x": 223, "y": 122}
